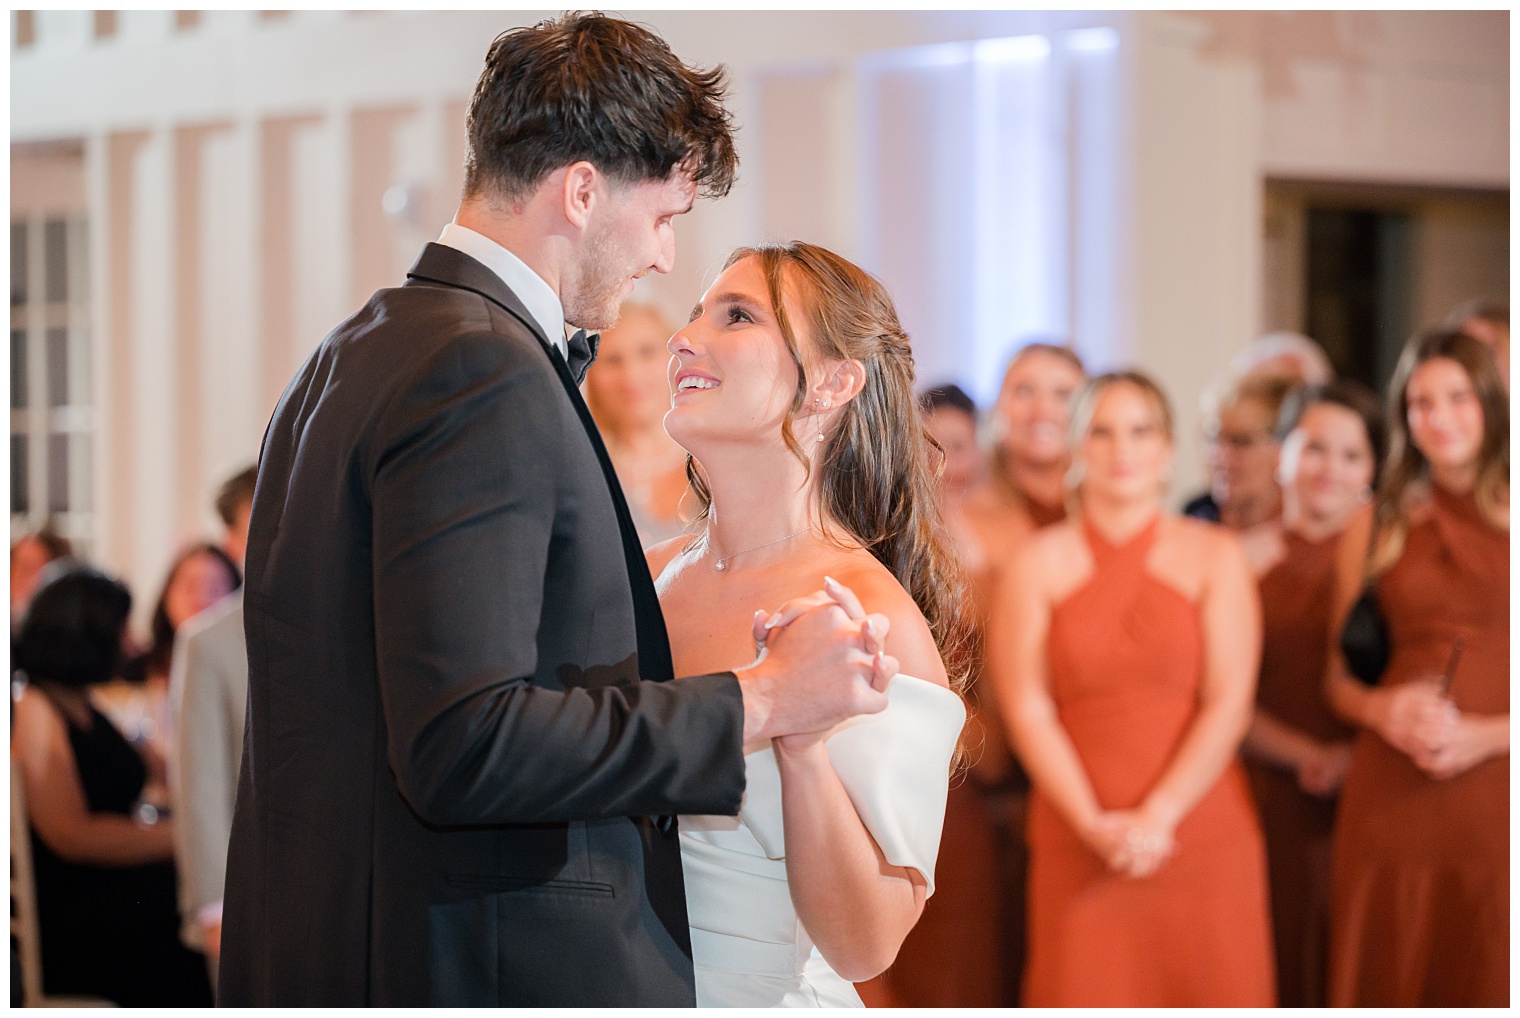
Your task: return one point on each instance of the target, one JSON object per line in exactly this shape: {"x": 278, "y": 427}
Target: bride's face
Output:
{"x": 732, "y": 378}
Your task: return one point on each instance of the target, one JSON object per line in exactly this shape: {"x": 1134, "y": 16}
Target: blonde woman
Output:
{"x": 1126, "y": 673}
{"x": 628, "y": 394}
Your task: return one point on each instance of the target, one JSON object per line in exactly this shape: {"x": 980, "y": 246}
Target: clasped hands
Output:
{"x": 1131, "y": 842}
{"x": 820, "y": 660}
{"x": 1420, "y": 721}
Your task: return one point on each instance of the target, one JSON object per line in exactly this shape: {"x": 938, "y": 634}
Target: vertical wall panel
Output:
{"x": 375, "y": 170}
{"x": 187, "y": 337}
{"x": 321, "y": 255}
{"x": 1097, "y": 153}
{"x": 228, "y": 390}
{"x": 152, "y": 372}
{"x": 110, "y": 160}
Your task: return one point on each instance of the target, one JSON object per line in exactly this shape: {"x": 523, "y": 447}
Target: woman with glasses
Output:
{"x": 1242, "y": 455}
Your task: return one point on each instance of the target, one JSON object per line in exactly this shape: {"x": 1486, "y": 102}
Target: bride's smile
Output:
{"x": 732, "y": 379}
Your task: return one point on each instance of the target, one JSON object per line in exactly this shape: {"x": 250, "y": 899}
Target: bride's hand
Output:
{"x": 874, "y": 627}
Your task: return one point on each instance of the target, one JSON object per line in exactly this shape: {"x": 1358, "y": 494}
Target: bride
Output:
{"x": 792, "y": 391}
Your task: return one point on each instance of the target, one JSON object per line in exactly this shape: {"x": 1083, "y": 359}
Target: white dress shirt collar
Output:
{"x": 530, "y": 288}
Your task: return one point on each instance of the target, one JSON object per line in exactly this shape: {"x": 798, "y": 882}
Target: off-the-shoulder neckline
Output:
{"x": 932, "y": 685}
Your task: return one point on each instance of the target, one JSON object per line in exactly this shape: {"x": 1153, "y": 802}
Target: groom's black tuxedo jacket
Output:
{"x": 461, "y": 736}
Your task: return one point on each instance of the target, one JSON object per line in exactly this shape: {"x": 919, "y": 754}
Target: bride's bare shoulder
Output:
{"x": 909, "y": 639}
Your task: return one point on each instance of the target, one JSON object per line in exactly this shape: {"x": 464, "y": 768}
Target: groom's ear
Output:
{"x": 579, "y": 193}
{"x": 840, "y": 381}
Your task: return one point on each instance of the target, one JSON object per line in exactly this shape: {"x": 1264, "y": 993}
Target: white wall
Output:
{"x": 1194, "y": 199}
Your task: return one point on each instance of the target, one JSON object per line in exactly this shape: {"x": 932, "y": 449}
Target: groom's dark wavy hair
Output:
{"x": 589, "y": 87}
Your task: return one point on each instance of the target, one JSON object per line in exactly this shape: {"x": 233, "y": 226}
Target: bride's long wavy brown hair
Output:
{"x": 878, "y": 465}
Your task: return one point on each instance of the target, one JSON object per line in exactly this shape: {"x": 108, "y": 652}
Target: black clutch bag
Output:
{"x": 1364, "y": 638}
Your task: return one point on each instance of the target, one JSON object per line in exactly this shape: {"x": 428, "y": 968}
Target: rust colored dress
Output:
{"x": 1297, "y": 600}
{"x": 1420, "y": 877}
{"x": 951, "y": 957}
{"x": 1126, "y": 663}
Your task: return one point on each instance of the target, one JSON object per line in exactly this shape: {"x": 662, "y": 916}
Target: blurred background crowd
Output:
{"x": 1252, "y": 212}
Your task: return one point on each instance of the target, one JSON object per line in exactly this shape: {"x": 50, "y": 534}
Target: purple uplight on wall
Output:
{"x": 989, "y": 184}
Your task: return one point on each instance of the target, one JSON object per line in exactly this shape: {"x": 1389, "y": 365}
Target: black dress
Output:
{"x": 113, "y": 931}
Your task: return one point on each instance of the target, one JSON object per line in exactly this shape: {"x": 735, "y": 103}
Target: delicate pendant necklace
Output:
{"x": 722, "y": 563}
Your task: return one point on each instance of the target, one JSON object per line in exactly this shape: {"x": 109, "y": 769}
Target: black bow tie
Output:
{"x": 583, "y": 346}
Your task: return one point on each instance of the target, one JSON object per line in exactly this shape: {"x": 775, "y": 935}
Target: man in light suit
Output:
{"x": 466, "y": 744}
{"x": 208, "y": 697}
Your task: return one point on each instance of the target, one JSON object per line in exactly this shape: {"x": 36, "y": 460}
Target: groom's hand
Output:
{"x": 833, "y": 592}
{"x": 824, "y": 661}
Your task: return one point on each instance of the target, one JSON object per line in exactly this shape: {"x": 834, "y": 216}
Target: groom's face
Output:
{"x": 632, "y": 232}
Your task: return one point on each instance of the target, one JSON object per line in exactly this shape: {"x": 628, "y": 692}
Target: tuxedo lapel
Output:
{"x": 654, "y": 641}
{"x": 448, "y": 267}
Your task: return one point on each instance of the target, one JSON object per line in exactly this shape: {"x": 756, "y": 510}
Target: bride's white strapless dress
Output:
{"x": 749, "y": 948}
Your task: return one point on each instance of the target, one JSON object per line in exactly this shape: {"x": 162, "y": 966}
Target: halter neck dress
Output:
{"x": 1126, "y": 660}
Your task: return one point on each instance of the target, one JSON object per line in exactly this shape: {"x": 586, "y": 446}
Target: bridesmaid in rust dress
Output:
{"x": 1127, "y": 674}
{"x": 1420, "y": 870}
{"x": 1029, "y": 461}
{"x": 1297, "y": 750}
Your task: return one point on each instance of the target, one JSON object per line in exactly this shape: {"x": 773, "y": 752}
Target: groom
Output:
{"x": 465, "y": 745}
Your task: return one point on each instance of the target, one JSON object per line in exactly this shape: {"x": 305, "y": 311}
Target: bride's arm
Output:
{"x": 855, "y": 905}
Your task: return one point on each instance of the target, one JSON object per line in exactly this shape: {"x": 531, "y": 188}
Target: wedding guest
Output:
{"x": 1420, "y": 867}
{"x": 1297, "y": 749}
{"x": 1487, "y": 321}
{"x": 954, "y": 955}
{"x": 951, "y": 417}
{"x": 208, "y": 698}
{"x": 201, "y": 576}
{"x": 29, "y": 556}
{"x": 1242, "y": 455}
{"x": 1127, "y": 670}
{"x": 104, "y": 877}
{"x": 629, "y": 395}
{"x": 1029, "y": 461}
